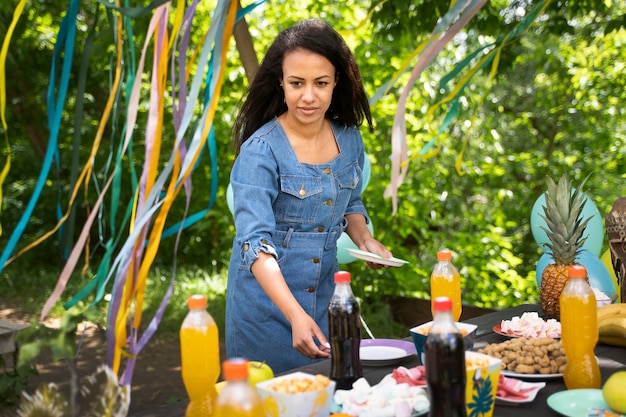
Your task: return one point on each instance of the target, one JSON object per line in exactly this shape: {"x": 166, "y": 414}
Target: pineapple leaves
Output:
{"x": 563, "y": 217}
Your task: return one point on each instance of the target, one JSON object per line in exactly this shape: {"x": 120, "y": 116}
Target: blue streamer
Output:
{"x": 66, "y": 38}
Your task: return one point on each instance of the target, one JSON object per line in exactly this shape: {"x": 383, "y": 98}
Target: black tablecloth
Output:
{"x": 611, "y": 359}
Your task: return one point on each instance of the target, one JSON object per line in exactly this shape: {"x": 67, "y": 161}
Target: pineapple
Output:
{"x": 565, "y": 228}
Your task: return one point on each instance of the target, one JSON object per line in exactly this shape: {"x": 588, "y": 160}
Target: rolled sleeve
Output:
{"x": 250, "y": 252}
{"x": 254, "y": 180}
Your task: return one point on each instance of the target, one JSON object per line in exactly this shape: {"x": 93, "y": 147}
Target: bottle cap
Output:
{"x": 342, "y": 276}
{"x": 196, "y": 302}
{"x": 577, "y": 271}
{"x": 444, "y": 255}
{"x": 442, "y": 304}
{"x": 235, "y": 369}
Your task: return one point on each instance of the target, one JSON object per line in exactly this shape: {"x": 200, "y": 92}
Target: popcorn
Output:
{"x": 530, "y": 325}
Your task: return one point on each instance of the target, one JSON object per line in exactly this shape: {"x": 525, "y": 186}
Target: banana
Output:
{"x": 613, "y": 326}
{"x": 613, "y": 340}
{"x": 611, "y": 310}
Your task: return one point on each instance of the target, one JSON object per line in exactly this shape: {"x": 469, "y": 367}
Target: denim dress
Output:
{"x": 295, "y": 212}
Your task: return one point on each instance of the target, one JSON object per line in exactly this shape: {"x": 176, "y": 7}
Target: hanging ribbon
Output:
{"x": 464, "y": 11}
{"x": 55, "y": 102}
{"x": 3, "y": 98}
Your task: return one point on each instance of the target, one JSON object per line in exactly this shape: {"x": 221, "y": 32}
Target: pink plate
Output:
{"x": 498, "y": 329}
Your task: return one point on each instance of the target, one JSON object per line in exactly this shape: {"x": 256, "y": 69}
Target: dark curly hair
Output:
{"x": 265, "y": 99}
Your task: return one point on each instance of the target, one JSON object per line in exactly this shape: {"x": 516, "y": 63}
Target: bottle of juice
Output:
{"x": 579, "y": 331}
{"x": 446, "y": 281}
{"x": 344, "y": 330}
{"x": 200, "y": 358}
{"x": 238, "y": 398}
{"x": 444, "y": 363}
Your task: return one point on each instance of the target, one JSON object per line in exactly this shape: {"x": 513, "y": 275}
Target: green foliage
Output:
{"x": 61, "y": 342}
{"x": 554, "y": 106}
{"x": 13, "y": 380}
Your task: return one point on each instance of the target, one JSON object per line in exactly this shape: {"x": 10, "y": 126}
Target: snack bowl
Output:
{"x": 419, "y": 333}
{"x": 604, "y": 298}
{"x": 285, "y": 395}
{"x": 483, "y": 374}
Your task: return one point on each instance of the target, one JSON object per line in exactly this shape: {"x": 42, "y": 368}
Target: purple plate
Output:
{"x": 382, "y": 352}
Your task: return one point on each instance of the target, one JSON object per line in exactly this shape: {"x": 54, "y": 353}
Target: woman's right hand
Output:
{"x": 304, "y": 333}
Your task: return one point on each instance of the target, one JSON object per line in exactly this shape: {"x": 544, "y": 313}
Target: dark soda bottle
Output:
{"x": 344, "y": 329}
{"x": 445, "y": 363}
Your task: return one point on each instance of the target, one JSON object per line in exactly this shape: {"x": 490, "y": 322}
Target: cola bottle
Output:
{"x": 344, "y": 329}
{"x": 444, "y": 352}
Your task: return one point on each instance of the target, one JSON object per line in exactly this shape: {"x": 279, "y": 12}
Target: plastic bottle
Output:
{"x": 344, "y": 329}
{"x": 446, "y": 281}
{"x": 200, "y": 358}
{"x": 444, "y": 352}
{"x": 579, "y": 331}
{"x": 238, "y": 398}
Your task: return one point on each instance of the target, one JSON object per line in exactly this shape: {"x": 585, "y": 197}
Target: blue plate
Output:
{"x": 577, "y": 402}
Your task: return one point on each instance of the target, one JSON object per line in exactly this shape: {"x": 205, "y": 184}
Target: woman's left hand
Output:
{"x": 374, "y": 246}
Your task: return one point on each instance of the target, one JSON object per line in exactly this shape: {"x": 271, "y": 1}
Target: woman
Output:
{"x": 296, "y": 183}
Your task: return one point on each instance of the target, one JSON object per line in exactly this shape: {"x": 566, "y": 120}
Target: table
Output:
{"x": 611, "y": 359}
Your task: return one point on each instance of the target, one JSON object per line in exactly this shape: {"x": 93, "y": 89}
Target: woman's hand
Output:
{"x": 305, "y": 332}
{"x": 374, "y": 246}
{"x": 362, "y": 237}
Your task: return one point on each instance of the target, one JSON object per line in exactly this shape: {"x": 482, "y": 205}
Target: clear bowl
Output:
{"x": 601, "y": 301}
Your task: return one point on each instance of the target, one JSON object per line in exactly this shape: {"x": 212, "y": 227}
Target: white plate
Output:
{"x": 530, "y": 394}
{"x": 372, "y": 257}
{"x": 538, "y": 377}
{"x": 382, "y": 352}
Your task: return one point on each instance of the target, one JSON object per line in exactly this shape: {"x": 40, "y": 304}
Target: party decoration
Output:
{"x": 594, "y": 233}
{"x": 367, "y": 172}
{"x": 599, "y": 276}
{"x": 229, "y": 198}
{"x": 616, "y": 232}
{"x": 606, "y": 261}
{"x": 344, "y": 243}
{"x": 489, "y": 54}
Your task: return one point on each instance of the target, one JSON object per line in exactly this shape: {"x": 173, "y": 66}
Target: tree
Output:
{"x": 473, "y": 196}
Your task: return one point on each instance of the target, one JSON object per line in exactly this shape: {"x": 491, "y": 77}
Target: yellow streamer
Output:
{"x": 3, "y": 99}
{"x": 363, "y": 22}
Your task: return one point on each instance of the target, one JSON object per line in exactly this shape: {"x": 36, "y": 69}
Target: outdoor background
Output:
{"x": 554, "y": 104}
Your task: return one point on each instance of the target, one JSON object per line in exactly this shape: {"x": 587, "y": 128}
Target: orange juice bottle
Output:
{"x": 579, "y": 331}
{"x": 238, "y": 398}
{"x": 445, "y": 281}
{"x": 200, "y": 358}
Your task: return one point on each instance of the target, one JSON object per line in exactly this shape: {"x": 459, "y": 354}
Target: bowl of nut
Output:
{"x": 420, "y": 332}
{"x": 297, "y": 394}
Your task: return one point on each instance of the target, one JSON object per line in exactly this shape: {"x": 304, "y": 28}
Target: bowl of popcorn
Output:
{"x": 297, "y": 394}
{"x": 483, "y": 374}
{"x": 420, "y": 332}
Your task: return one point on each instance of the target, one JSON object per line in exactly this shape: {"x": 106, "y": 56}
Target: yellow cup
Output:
{"x": 483, "y": 373}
